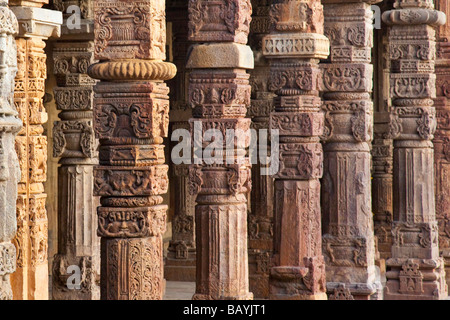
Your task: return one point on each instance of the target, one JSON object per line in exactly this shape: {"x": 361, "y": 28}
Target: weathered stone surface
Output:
{"x": 219, "y": 94}
{"x": 30, "y": 282}
{"x": 180, "y": 263}
{"x": 260, "y": 218}
{"x": 75, "y": 145}
{"x": 348, "y": 240}
{"x": 298, "y": 270}
{"x": 10, "y": 125}
{"x": 131, "y": 118}
{"x": 415, "y": 270}
{"x": 442, "y": 139}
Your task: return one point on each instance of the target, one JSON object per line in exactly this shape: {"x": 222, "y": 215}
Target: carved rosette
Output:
{"x": 415, "y": 252}
{"x": 10, "y": 125}
{"x": 131, "y": 118}
{"x": 30, "y": 281}
{"x": 219, "y": 94}
{"x": 348, "y": 241}
{"x": 294, "y": 47}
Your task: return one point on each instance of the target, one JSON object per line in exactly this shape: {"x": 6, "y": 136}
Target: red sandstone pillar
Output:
{"x": 347, "y": 79}
{"x": 415, "y": 270}
{"x": 219, "y": 93}
{"x": 294, "y": 46}
{"x": 131, "y": 117}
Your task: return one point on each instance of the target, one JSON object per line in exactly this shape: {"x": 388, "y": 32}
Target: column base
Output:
{"x": 259, "y": 268}
{"x": 259, "y": 285}
{"x": 415, "y": 279}
{"x": 296, "y": 283}
{"x": 180, "y": 270}
{"x": 447, "y": 269}
{"x": 89, "y": 288}
{"x": 354, "y": 291}
{"x": 199, "y": 296}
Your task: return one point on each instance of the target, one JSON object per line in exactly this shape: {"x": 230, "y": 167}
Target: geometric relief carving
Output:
{"x": 294, "y": 46}
{"x": 347, "y": 83}
{"x": 219, "y": 93}
{"x": 412, "y": 88}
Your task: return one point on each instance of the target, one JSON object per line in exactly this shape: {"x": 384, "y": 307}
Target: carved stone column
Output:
{"x": 294, "y": 46}
{"x": 442, "y": 139}
{"x": 181, "y": 256}
{"x": 219, "y": 93}
{"x": 74, "y": 143}
{"x": 348, "y": 240}
{"x": 131, "y": 117}
{"x": 382, "y": 146}
{"x": 10, "y": 125}
{"x": 30, "y": 282}
{"x": 415, "y": 270}
{"x": 260, "y": 219}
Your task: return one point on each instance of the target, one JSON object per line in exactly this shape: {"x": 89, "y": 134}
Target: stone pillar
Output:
{"x": 442, "y": 139}
{"x": 260, "y": 219}
{"x": 382, "y": 147}
{"x": 294, "y": 46}
{"x": 181, "y": 255}
{"x": 74, "y": 143}
{"x": 348, "y": 240}
{"x": 131, "y": 117}
{"x": 30, "y": 282}
{"x": 10, "y": 125}
{"x": 415, "y": 270}
{"x": 219, "y": 93}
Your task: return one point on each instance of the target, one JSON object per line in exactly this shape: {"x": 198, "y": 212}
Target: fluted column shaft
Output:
{"x": 347, "y": 80}
{"x": 415, "y": 270}
{"x": 75, "y": 144}
{"x": 294, "y": 47}
{"x": 131, "y": 118}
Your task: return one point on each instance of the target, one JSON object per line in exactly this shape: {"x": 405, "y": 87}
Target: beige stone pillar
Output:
{"x": 10, "y": 125}
{"x": 30, "y": 282}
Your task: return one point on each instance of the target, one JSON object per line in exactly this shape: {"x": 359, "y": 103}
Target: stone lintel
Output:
{"x": 38, "y": 22}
